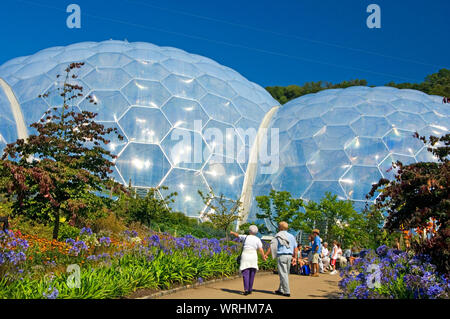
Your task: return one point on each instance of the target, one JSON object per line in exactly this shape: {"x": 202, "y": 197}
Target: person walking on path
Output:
{"x": 284, "y": 249}
{"x": 317, "y": 250}
{"x": 249, "y": 257}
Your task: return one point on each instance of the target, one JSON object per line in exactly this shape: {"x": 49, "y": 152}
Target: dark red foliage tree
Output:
{"x": 420, "y": 193}
{"x": 60, "y": 171}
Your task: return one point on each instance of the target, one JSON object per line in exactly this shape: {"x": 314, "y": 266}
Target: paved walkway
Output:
{"x": 302, "y": 287}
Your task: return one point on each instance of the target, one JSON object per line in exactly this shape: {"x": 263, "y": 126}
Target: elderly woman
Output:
{"x": 249, "y": 257}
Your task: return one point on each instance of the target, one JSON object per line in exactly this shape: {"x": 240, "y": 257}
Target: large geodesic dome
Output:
{"x": 161, "y": 99}
{"x": 344, "y": 140}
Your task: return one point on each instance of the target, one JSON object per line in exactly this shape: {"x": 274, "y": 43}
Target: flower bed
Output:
{"x": 31, "y": 267}
{"x": 401, "y": 275}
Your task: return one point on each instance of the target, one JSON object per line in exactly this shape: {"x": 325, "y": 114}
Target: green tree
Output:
{"x": 285, "y": 94}
{"x": 222, "y": 212}
{"x": 60, "y": 172}
{"x": 279, "y": 206}
{"x": 374, "y": 219}
{"x": 435, "y": 84}
{"x": 149, "y": 209}
{"x": 336, "y": 219}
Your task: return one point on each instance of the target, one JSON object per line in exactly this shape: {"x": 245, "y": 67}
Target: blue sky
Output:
{"x": 269, "y": 42}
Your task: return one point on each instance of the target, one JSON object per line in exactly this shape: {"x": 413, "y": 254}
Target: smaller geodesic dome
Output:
{"x": 344, "y": 140}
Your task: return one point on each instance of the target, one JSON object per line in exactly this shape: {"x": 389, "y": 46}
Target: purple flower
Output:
{"x": 105, "y": 241}
{"x": 382, "y": 250}
{"x": 86, "y": 231}
{"x": 51, "y": 294}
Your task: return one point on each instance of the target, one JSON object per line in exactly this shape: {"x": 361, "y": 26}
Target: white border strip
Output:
{"x": 252, "y": 166}
{"x": 16, "y": 110}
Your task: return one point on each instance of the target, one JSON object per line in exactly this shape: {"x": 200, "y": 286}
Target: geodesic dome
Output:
{"x": 154, "y": 96}
{"x": 344, "y": 140}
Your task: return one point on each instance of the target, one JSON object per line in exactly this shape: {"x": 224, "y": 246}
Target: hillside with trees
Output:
{"x": 434, "y": 84}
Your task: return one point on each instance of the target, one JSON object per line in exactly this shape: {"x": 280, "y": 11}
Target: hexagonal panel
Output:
{"x": 110, "y": 105}
{"x": 373, "y": 108}
{"x": 382, "y": 95}
{"x": 181, "y": 68}
{"x": 185, "y": 149}
{"x": 440, "y": 108}
{"x": 358, "y": 181}
{"x": 341, "y": 116}
{"x": 107, "y": 78}
{"x": 145, "y": 55}
{"x": 248, "y": 109}
{"x": 145, "y": 125}
{"x": 347, "y": 101}
{"x": 306, "y": 128}
{"x": 434, "y": 130}
{"x": 60, "y": 69}
{"x": 185, "y": 87}
{"x": 311, "y": 111}
{"x": 54, "y": 97}
{"x": 222, "y": 139}
{"x": 386, "y": 167}
{"x": 437, "y": 120}
{"x": 220, "y": 109}
{"x": 318, "y": 189}
{"x": 402, "y": 142}
{"x": 320, "y": 163}
{"x": 31, "y": 88}
{"x": 283, "y": 124}
{"x": 34, "y": 110}
{"x": 244, "y": 89}
{"x": 8, "y": 132}
{"x": 144, "y": 164}
{"x": 109, "y": 60}
{"x": 115, "y": 144}
{"x": 366, "y": 151}
{"x": 406, "y": 121}
{"x": 186, "y": 183}
{"x": 371, "y": 126}
{"x": 297, "y": 152}
{"x": 146, "y": 93}
{"x": 410, "y": 106}
{"x": 334, "y": 137}
{"x": 116, "y": 176}
{"x": 146, "y": 70}
{"x": 295, "y": 178}
{"x": 224, "y": 176}
{"x": 425, "y": 156}
{"x": 185, "y": 113}
{"x": 216, "y": 86}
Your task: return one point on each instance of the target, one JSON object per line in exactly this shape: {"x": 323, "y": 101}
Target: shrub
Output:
{"x": 109, "y": 225}
{"x": 66, "y": 231}
{"x": 30, "y": 227}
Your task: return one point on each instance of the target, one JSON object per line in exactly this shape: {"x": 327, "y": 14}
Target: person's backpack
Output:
{"x": 305, "y": 270}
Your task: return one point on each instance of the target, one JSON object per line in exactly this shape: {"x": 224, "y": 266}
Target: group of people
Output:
{"x": 324, "y": 260}
{"x": 288, "y": 253}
